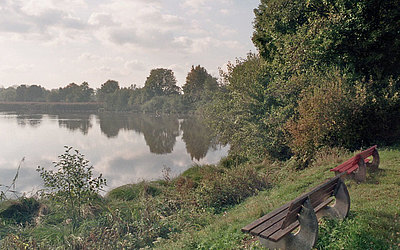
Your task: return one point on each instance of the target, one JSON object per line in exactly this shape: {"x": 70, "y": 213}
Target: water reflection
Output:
{"x": 125, "y": 148}
{"x": 197, "y": 137}
{"x": 160, "y": 132}
{"x": 32, "y": 120}
{"x": 80, "y": 122}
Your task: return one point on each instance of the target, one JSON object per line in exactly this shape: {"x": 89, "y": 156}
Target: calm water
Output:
{"x": 125, "y": 148}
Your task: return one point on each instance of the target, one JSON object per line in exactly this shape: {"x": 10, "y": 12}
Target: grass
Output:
{"x": 206, "y": 207}
{"x": 373, "y": 223}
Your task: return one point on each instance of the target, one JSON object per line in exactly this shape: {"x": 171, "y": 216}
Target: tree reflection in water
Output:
{"x": 32, "y": 120}
{"x": 159, "y": 132}
{"x": 197, "y": 137}
{"x": 74, "y": 122}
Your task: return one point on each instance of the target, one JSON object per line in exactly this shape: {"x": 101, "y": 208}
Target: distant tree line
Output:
{"x": 36, "y": 93}
{"x": 160, "y": 93}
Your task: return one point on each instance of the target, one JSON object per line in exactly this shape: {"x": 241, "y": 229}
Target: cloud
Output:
{"x": 203, "y": 6}
{"x": 88, "y": 57}
{"x": 134, "y": 65}
{"x": 80, "y": 39}
{"x": 195, "y": 4}
{"x": 225, "y": 11}
{"x": 148, "y": 26}
{"x": 123, "y": 36}
{"x": 183, "y": 41}
{"x": 18, "y": 68}
{"x": 101, "y": 19}
{"x": 42, "y": 19}
{"x": 225, "y": 30}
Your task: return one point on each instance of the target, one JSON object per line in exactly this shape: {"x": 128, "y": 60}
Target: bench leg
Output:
{"x": 341, "y": 208}
{"x": 305, "y": 238}
{"x": 361, "y": 172}
{"x": 375, "y": 161}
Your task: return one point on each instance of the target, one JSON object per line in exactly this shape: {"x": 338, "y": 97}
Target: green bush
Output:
{"x": 72, "y": 185}
{"x": 131, "y": 192}
{"x": 325, "y": 117}
{"x": 21, "y": 211}
{"x": 229, "y": 188}
{"x": 197, "y": 173}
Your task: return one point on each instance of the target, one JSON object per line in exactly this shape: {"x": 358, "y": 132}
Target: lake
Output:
{"x": 125, "y": 148}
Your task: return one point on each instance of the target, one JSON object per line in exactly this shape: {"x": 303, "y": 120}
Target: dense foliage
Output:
{"x": 327, "y": 75}
{"x": 199, "y": 86}
{"x": 35, "y": 93}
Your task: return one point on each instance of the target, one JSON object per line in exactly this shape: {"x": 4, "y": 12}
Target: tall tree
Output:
{"x": 86, "y": 92}
{"x": 161, "y": 82}
{"x": 198, "y": 84}
{"x": 8, "y": 94}
{"x": 32, "y": 93}
{"x": 107, "y": 88}
{"x": 362, "y": 36}
{"x": 306, "y": 46}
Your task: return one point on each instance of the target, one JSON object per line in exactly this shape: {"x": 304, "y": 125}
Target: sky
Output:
{"x": 55, "y": 42}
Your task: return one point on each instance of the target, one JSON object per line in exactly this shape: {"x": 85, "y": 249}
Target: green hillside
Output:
{"x": 373, "y": 223}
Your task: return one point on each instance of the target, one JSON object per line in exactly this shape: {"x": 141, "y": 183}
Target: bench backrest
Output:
{"x": 354, "y": 160}
{"x": 316, "y": 196}
{"x": 366, "y": 153}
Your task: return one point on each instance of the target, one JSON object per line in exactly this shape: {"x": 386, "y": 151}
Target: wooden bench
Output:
{"x": 274, "y": 229}
{"x": 357, "y": 166}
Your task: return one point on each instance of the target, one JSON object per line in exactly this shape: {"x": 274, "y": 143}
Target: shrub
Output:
{"x": 72, "y": 184}
{"x": 21, "y": 211}
{"x": 197, "y": 173}
{"x": 325, "y": 117}
{"x": 134, "y": 191}
{"x": 229, "y": 188}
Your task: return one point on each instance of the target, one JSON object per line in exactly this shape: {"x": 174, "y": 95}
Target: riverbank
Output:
{"x": 205, "y": 207}
{"x": 373, "y": 222}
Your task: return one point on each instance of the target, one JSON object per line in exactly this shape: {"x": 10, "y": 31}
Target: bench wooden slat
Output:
{"x": 295, "y": 206}
{"x": 321, "y": 186}
{"x": 280, "y": 233}
{"x": 316, "y": 198}
{"x": 350, "y": 162}
{"x": 323, "y": 204}
{"x": 353, "y": 168}
{"x": 271, "y": 230}
{"x": 269, "y": 223}
{"x": 323, "y": 191}
{"x": 345, "y": 164}
{"x": 291, "y": 216}
{"x": 368, "y": 152}
{"x": 284, "y": 219}
{"x": 266, "y": 217}
{"x": 322, "y": 199}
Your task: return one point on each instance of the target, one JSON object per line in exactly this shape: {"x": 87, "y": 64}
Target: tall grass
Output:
{"x": 139, "y": 215}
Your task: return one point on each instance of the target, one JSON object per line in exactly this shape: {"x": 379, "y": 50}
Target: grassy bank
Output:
{"x": 374, "y": 221}
{"x": 206, "y": 207}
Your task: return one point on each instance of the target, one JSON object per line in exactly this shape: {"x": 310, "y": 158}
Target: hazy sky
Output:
{"x": 55, "y": 42}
